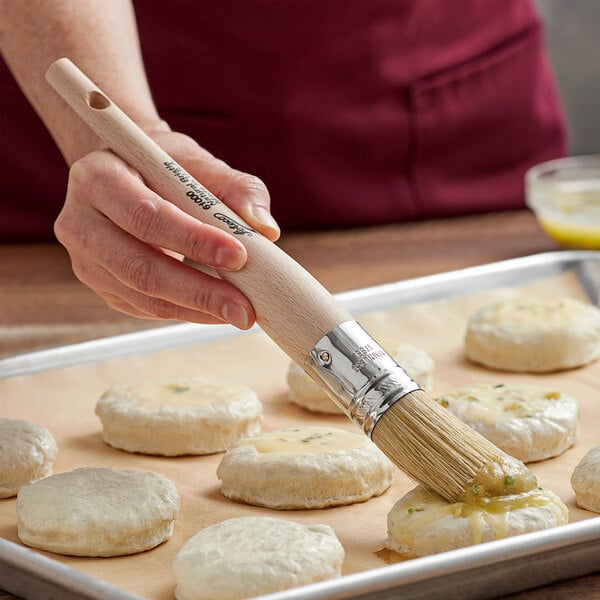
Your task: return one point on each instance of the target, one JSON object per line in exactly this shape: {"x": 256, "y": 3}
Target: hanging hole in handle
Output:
{"x": 98, "y": 101}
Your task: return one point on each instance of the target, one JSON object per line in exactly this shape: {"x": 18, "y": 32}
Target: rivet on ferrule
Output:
{"x": 325, "y": 357}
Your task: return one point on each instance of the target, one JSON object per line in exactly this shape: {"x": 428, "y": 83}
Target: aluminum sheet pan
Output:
{"x": 479, "y": 572}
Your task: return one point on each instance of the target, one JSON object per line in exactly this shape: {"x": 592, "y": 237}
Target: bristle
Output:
{"x": 431, "y": 445}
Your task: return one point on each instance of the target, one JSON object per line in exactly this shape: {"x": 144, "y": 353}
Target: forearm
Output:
{"x": 121, "y": 236}
{"x": 100, "y": 36}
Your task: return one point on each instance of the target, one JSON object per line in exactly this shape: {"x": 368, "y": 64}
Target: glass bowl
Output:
{"x": 564, "y": 194}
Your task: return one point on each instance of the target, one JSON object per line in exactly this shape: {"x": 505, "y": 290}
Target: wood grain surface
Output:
{"x": 43, "y": 305}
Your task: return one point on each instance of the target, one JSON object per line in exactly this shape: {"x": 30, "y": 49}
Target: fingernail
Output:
{"x": 236, "y": 315}
{"x": 263, "y": 216}
{"x": 229, "y": 258}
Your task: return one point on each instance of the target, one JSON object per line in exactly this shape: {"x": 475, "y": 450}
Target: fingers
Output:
{"x": 114, "y": 229}
{"x": 137, "y": 304}
{"x": 245, "y": 194}
{"x": 155, "y": 284}
{"x": 121, "y": 196}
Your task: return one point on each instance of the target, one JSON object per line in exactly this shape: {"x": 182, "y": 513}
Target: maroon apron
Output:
{"x": 353, "y": 112}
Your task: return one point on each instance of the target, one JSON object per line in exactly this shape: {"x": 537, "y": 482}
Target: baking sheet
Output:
{"x": 59, "y": 389}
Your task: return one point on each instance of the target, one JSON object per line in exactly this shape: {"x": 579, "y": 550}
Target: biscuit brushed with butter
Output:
{"x": 304, "y": 468}
{"x": 423, "y": 523}
{"x": 527, "y": 421}
{"x": 534, "y": 334}
{"x": 187, "y": 415}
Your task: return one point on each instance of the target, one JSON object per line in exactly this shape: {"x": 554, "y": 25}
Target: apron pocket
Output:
{"x": 477, "y": 127}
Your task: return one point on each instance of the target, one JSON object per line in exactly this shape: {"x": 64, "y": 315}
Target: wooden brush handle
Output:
{"x": 291, "y": 306}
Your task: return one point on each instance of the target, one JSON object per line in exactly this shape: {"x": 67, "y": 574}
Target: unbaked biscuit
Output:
{"x": 534, "y": 334}
{"x": 527, "y": 421}
{"x": 96, "y": 511}
{"x": 305, "y": 392}
{"x": 304, "y": 467}
{"x": 251, "y": 556}
{"x": 423, "y": 523}
{"x": 585, "y": 481}
{"x": 189, "y": 415}
{"x": 27, "y": 453}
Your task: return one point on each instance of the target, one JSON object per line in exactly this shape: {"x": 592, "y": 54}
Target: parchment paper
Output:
{"x": 63, "y": 401}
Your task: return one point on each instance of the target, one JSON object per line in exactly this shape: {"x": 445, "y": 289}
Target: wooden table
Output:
{"x": 43, "y": 305}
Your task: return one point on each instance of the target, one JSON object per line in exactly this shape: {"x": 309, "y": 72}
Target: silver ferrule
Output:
{"x": 358, "y": 374}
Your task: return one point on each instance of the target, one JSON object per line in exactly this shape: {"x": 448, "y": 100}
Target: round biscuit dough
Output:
{"x": 423, "y": 523}
{"x": 304, "y": 468}
{"x": 250, "y": 556}
{"x": 97, "y": 511}
{"x": 527, "y": 421}
{"x": 27, "y": 454}
{"x": 305, "y": 392}
{"x": 188, "y": 415}
{"x": 585, "y": 481}
{"x": 534, "y": 334}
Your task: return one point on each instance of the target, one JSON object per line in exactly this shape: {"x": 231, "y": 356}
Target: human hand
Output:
{"x": 127, "y": 243}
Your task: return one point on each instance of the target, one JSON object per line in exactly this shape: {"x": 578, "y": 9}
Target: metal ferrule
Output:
{"x": 358, "y": 374}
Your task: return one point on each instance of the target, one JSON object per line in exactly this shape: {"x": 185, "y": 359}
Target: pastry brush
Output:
{"x": 422, "y": 438}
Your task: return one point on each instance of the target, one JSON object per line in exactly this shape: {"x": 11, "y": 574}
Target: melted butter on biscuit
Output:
{"x": 422, "y": 516}
{"x": 495, "y": 404}
{"x": 307, "y": 440}
{"x": 544, "y": 312}
{"x": 490, "y": 511}
{"x": 181, "y": 393}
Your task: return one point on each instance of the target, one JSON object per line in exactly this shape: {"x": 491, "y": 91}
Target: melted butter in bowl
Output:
{"x": 564, "y": 194}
